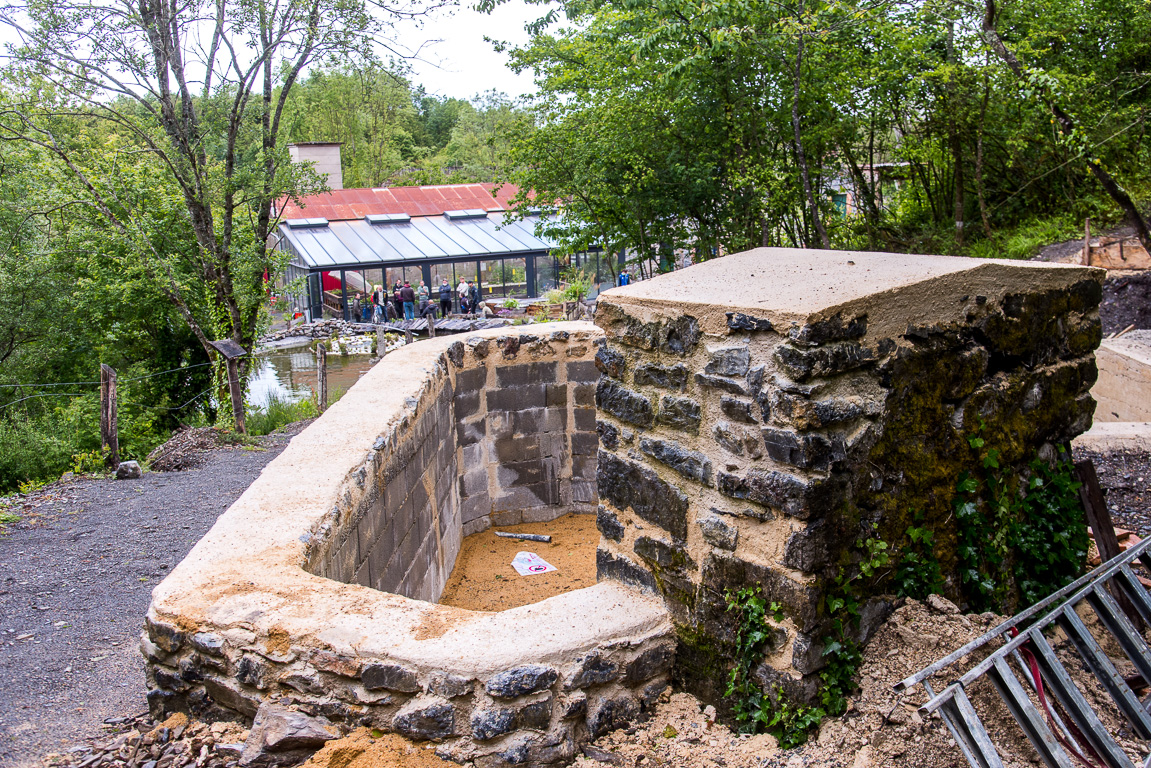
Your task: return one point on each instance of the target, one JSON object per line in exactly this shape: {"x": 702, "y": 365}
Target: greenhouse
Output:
{"x": 347, "y": 242}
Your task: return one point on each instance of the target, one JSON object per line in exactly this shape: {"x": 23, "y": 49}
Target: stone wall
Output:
{"x": 276, "y": 602}
{"x": 761, "y": 413}
{"x": 506, "y": 435}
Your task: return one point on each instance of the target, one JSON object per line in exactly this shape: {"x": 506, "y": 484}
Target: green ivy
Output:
{"x": 1051, "y": 539}
{"x": 918, "y": 573}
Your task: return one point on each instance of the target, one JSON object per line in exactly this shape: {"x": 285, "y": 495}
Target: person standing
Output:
{"x": 423, "y": 294}
{"x": 445, "y": 298}
{"x": 358, "y": 308}
{"x": 473, "y": 296}
{"x": 377, "y": 298}
{"x": 397, "y": 300}
{"x": 462, "y": 290}
{"x": 408, "y": 297}
{"x": 624, "y": 278}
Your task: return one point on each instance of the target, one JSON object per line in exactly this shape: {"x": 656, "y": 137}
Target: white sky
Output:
{"x": 462, "y": 64}
{"x": 467, "y": 65}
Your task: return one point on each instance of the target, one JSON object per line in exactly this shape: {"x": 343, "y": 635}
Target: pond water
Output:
{"x": 291, "y": 374}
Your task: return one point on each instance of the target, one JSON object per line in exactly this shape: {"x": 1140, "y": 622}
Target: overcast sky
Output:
{"x": 467, "y": 64}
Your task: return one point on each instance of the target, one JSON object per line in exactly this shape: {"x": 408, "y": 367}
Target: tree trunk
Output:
{"x": 955, "y": 140}
{"x": 799, "y": 154}
{"x": 979, "y": 159}
{"x": 1117, "y": 193}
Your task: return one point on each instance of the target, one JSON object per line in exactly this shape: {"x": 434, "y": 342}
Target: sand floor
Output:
{"x": 484, "y": 580}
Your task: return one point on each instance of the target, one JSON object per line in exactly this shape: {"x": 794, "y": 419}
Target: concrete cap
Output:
{"x": 791, "y": 285}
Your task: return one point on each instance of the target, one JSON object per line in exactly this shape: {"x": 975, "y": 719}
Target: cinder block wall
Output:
{"x": 504, "y": 435}
{"x": 760, "y": 413}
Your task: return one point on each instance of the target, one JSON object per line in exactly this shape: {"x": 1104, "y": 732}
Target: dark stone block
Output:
{"x": 679, "y": 413}
{"x": 510, "y": 346}
{"x": 803, "y": 364}
{"x": 252, "y": 671}
{"x": 209, "y": 643}
{"x": 557, "y": 394}
{"x": 527, "y": 373}
{"x": 737, "y": 321}
{"x": 803, "y": 413}
{"x": 806, "y": 451}
{"x": 515, "y": 448}
{"x": 623, "y": 403}
{"x": 392, "y": 677}
{"x": 165, "y": 636}
{"x": 583, "y": 372}
{"x": 668, "y": 377}
{"x": 680, "y": 336}
{"x": 830, "y": 329}
{"x": 740, "y": 441}
{"x": 627, "y": 484}
{"x": 584, "y": 419}
{"x": 666, "y": 556}
{"x": 521, "y": 681}
{"x": 536, "y": 716}
{"x": 807, "y": 654}
{"x": 471, "y": 379}
{"x": 584, "y": 443}
{"x": 722, "y": 570}
{"x": 489, "y": 723}
{"x": 608, "y": 524}
{"x": 737, "y": 410}
{"x": 651, "y": 663}
{"x": 608, "y": 714}
{"x": 593, "y": 669}
{"x": 425, "y": 720}
{"x": 650, "y": 694}
{"x": 479, "y": 346}
{"x": 467, "y": 403}
{"x": 808, "y": 550}
{"x": 584, "y": 395}
{"x": 609, "y": 566}
{"x": 720, "y": 383}
{"x": 610, "y": 362}
{"x": 575, "y": 705}
{"x": 517, "y": 398}
{"x": 730, "y": 361}
{"x": 717, "y": 532}
{"x": 169, "y": 681}
{"x": 691, "y": 464}
{"x": 792, "y": 495}
{"x": 608, "y": 435}
{"x": 456, "y": 353}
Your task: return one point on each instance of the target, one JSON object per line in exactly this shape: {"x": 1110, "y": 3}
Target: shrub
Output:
{"x": 278, "y": 412}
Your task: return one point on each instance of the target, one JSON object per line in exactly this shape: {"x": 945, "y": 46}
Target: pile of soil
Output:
{"x": 483, "y": 578}
{"x": 364, "y": 748}
{"x": 187, "y": 449}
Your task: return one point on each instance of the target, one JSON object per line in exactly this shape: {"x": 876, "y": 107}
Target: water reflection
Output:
{"x": 291, "y": 374}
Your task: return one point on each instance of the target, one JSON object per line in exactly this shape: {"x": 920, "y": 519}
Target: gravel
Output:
{"x": 76, "y": 574}
{"x": 1125, "y": 477}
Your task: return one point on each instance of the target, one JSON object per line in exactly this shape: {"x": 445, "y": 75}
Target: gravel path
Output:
{"x": 76, "y": 576}
{"x": 1125, "y": 477}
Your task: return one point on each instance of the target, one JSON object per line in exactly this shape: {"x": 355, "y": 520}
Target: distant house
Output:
{"x": 349, "y": 240}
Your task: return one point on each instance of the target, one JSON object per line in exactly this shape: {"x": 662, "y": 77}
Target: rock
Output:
{"x": 608, "y": 524}
{"x": 941, "y": 604}
{"x": 489, "y": 723}
{"x": 679, "y": 413}
{"x": 628, "y": 484}
{"x": 521, "y": 681}
{"x": 449, "y": 686}
{"x": 283, "y": 736}
{"x": 729, "y": 361}
{"x": 718, "y": 533}
{"x": 425, "y": 718}
{"x": 650, "y": 663}
{"x": 129, "y": 470}
{"x": 862, "y": 758}
{"x": 610, "y": 362}
{"x": 691, "y": 464}
{"x": 607, "y": 714}
{"x": 623, "y": 403}
{"x": 593, "y": 670}
{"x": 393, "y": 677}
{"x": 668, "y": 377}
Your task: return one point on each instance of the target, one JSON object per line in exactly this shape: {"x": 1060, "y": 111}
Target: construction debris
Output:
{"x": 529, "y": 536}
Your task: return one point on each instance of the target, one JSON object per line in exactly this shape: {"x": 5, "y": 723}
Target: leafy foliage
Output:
{"x": 918, "y": 573}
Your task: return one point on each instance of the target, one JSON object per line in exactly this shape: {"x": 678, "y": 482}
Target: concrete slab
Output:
{"x": 1123, "y": 390}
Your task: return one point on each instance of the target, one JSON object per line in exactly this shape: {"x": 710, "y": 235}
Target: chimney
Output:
{"x": 326, "y": 157}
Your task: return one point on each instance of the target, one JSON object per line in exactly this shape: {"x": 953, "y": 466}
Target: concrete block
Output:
{"x": 508, "y": 376}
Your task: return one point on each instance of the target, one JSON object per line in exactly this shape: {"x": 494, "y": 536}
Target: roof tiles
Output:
{"x": 349, "y": 204}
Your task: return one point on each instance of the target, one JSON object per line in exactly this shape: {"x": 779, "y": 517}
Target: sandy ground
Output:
{"x": 484, "y": 580}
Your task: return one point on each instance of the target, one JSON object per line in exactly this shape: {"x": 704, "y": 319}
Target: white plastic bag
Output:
{"x": 530, "y": 564}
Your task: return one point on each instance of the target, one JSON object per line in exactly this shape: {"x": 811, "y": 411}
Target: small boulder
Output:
{"x": 128, "y": 470}
{"x": 941, "y": 604}
{"x": 284, "y": 736}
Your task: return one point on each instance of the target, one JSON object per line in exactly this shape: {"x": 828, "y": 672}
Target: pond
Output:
{"x": 291, "y": 374}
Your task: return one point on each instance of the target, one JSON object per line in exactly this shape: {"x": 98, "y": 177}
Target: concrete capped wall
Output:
{"x": 280, "y": 600}
{"x": 1124, "y": 387}
{"x": 760, "y": 413}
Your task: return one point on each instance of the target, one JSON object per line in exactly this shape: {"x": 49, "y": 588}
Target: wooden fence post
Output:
{"x": 109, "y": 437}
{"x": 381, "y": 342}
{"x": 408, "y": 336}
{"x": 431, "y": 326}
{"x": 322, "y": 375}
{"x": 237, "y": 398}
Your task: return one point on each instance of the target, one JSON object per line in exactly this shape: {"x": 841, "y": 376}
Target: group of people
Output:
{"x": 409, "y": 303}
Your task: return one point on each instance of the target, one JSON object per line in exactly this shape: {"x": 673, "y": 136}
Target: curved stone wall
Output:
{"x": 297, "y": 594}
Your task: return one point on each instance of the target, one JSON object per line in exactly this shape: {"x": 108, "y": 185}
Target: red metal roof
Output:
{"x": 347, "y": 204}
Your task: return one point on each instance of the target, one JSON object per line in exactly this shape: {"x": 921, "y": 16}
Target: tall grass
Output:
{"x": 278, "y": 412}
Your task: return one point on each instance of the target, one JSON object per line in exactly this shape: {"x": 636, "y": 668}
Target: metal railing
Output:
{"x": 1079, "y": 739}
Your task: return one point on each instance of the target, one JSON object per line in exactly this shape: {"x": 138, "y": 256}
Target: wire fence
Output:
{"x": 126, "y": 380}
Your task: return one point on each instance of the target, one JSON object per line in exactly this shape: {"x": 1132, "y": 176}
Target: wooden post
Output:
{"x": 408, "y": 336}
{"x": 322, "y": 375}
{"x": 109, "y": 437}
{"x": 431, "y": 326}
{"x": 1103, "y": 529}
{"x": 381, "y": 342}
{"x": 1086, "y": 260}
{"x": 237, "y": 397}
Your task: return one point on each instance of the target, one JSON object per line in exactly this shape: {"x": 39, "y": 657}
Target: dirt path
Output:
{"x": 76, "y": 575}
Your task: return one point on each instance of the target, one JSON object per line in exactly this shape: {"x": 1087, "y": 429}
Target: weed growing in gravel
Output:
{"x": 7, "y": 517}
